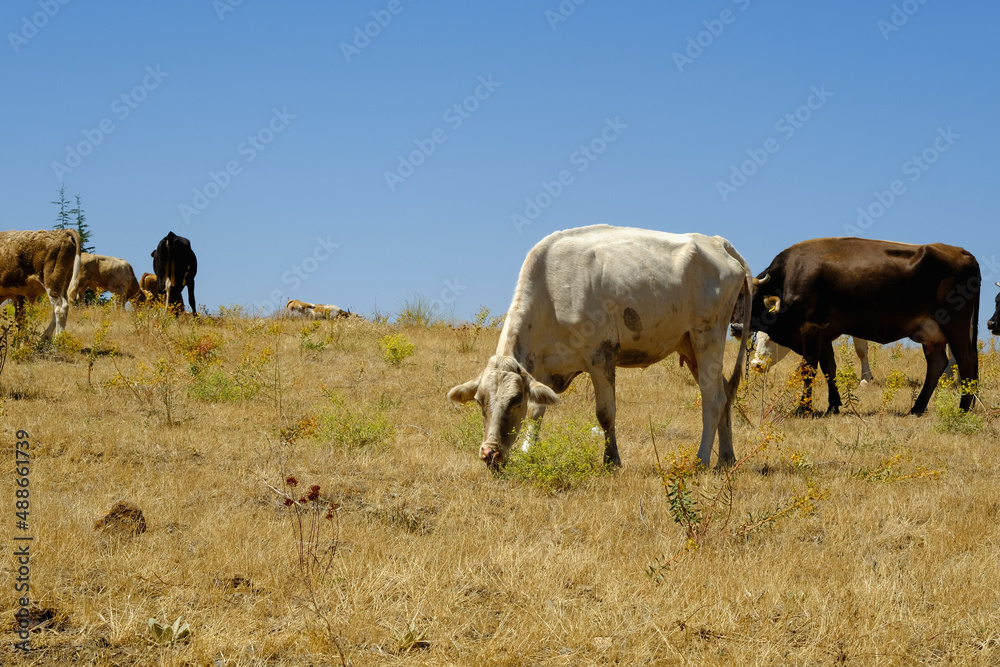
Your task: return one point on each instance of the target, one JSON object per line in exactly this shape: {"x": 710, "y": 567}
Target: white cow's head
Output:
{"x": 503, "y": 391}
{"x": 766, "y": 352}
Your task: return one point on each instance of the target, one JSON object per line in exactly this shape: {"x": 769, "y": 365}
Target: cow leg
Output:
{"x": 937, "y": 360}
{"x": 966, "y": 356}
{"x": 861, "y": 348}
{"x": 20, "y": 311}
{"x": 828, "y": 362}
{"x": 709, "y": 348}
{"x": 812, "y": 349}
{"x": 534, "y": 420}
{"x": 60, "y": 312}
{"x": 808, "y": 373}
{"x": 194, "y": 306}
{"x": 174, "y": 298}
{"x": 604, "y": 393}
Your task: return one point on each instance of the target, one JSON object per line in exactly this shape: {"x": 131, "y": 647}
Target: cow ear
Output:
{"x": 772, "y": 303}
{"x": 464, "y": 393}
{"x": 541, "y": 394}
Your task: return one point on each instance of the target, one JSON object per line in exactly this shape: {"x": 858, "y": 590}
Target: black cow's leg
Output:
{"x": 190, "y": 284}
{"x": 828, "y": 361}
{"x": 808, "y": 373}
{"x": 966, "y": 354}
{"x": 174, "y": 298}
{"x": 937, "y": 360}
{"x": 811, "y": 352}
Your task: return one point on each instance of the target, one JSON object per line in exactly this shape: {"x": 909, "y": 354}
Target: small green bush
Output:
{"x": 951, "y": 419}
{"x": 419, "y": 312}
{"x": 564, "y": 457}
{"x": 396, "y": 348}
{"x": 215, "y": 386}
{"x": 366, "y": 426}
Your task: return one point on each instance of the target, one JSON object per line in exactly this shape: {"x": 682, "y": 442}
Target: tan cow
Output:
{"x": 148, "y": 285}
{"x": 108, "y": 274}
{"x": 37, "y": 262}
{"x": 316, "y": 311}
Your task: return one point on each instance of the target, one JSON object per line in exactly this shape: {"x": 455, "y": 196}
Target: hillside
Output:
{"x": 860, "y": 538}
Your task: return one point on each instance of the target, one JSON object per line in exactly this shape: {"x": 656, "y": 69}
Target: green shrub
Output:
{"x": 396, "y": 348}
{"x": 565, "y": 456}
{"x": 419, "y": 312}
{"x": 951, "y": 419}
{"x": 215, "y": 385}
{"x": 366, "y": 426}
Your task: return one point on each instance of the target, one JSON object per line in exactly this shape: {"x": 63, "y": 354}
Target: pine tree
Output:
{"x": 63, "y": 218}
{"x": 82, "y": 226}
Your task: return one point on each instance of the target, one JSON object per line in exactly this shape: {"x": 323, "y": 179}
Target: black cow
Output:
{"x": 175, "y": 266}
{"x": 882, "y": 291}
{"x": 994, "y": 322}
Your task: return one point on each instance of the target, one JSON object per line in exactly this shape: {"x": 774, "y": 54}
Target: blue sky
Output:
{"x": 305, "y": 159}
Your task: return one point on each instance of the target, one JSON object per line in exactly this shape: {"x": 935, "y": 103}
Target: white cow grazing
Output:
{"x": 595, "y": 298}
{"x": 767, "y": 352}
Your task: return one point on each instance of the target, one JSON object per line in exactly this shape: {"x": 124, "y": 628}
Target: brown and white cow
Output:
{"x": 766, "y": 353}
{"x": 33, "y": 263}
{"x": 882, "y": 291}
{"x": 102, "y": 273}
{"x": 593, "y": 299}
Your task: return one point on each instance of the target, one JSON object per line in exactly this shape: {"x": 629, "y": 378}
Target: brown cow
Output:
{"x": 882, "y": 291}
{"x": 108, "y": 274}
{"x": 148, "y": 285}
{"x": 36, "y": 262}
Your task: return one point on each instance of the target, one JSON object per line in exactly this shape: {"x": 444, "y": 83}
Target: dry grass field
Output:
{"x": 867, "y": 538}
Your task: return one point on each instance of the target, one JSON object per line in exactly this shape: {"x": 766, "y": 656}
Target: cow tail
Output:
{"x": 74, "y": 281}
{"x": 747, "y": 293}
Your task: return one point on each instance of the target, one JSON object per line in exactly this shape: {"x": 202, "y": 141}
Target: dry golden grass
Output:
{"x": 437, "y": 561}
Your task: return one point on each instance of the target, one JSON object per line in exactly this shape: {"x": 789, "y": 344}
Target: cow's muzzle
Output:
{"x": 491, "y": 456}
